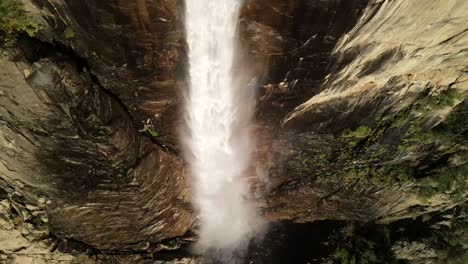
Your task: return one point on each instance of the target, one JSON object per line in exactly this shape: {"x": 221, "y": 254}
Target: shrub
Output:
{"x": 14, "y": 20}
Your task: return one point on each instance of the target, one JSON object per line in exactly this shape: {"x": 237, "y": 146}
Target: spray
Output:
{"x": 219, "y": 140}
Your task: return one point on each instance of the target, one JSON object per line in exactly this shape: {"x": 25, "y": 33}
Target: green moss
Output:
{"x": 153, "y": 132}
{"x": 68, "y": 33}
{"x": 352, "y": 175}
{"x": 361, "y": 132}
{"x": 14, "y": 21}
{"x": 38, "y": 222}
{"x": 444, "y": 180}
{"x": 450, "y": 242}
{"x": 426, "y": 193}
{"x": 376, "y": 154}
{"x": 417, "y": 136}
{"x": 361, "y": 245}
{"x": 452, "y": 127}
{"x": 149, "y": 129}
{"x": 378, "y": 175}
{"x": 394, "y": 120}
{"x": 442, "y": 232}
{"x": 400, "y": 122}
{"x": 323, "y": 157}
{"x": 396, "y": 174}
{"x": 354, "y": 137}
{"x": 447, "y": 98}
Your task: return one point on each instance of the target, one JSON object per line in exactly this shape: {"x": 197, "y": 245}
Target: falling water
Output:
{"x": 219, "y": 141}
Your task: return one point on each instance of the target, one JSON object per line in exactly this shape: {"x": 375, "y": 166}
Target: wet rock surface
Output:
{"x": 361, "y": 118}
{"x": 135, "y": 49}
{"x": 289, "y": 44}
{"x": 75, "y": 166}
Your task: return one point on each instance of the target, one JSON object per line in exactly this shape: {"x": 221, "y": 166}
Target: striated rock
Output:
{"x": 415, "y": 252}
{"x": 136, "y": 50}
{"x": 381, "y": 54}
{"x": 73, "y": 164}
{"x": 385, "y": 138}
{"x": 288, "y": 46}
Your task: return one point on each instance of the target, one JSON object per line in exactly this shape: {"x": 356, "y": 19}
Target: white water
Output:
{"x": 219, "y": 142}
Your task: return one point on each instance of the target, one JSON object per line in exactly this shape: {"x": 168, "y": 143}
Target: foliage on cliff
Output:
{"x": 438, "y": 238}
{"x": 14, "y": 20}
{"x": 364, "y": 245}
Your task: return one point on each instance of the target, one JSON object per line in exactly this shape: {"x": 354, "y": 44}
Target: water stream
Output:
{"x": 219, "y": 141}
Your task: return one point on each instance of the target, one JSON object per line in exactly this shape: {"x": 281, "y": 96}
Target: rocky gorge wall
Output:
{"x": 361, "y": 115}
{"x": 389, "y": 117}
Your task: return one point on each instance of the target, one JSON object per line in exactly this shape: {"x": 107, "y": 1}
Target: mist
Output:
{"x": 218, "y": 139}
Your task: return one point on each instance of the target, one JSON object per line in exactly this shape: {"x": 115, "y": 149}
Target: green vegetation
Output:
{"x": 446, "y": 179}
{"x": 378, "y": 175}
{"x": 14, "y": 21}
{"x": 391, "y": 174}
{"x": 68, "y": 33}
{"x": 356, "y": 136}
{"x": 443, "y": 233}
{"x": 153, "y": 132}
{"x": 449, "y": 138}
{"x": 418, "y": 135}
{"x": 400, "y": 119}
{"x": 450, "y": 241}
{"x": 362, "y": 245}
{"x": 360, "y": 133}
{"x": 422, "y": 144}
{"x": 149, "y": 128}
{"x": 38, "y": 222}
{"x": 417, "y": 132}
{"x": 436, "y": 101}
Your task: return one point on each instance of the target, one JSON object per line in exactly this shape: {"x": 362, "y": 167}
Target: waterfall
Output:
{"x": 219, "y": 141}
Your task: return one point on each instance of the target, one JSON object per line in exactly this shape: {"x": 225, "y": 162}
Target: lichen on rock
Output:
{"x": 14, "y": 20}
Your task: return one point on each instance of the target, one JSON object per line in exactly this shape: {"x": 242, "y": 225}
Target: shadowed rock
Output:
{"x": 71, "y": 152}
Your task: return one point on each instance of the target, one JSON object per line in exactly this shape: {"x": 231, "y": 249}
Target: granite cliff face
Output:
{"x": 361, "y": 117}
{"x": 74, "y": 165}
{"x": 387, "y": 122}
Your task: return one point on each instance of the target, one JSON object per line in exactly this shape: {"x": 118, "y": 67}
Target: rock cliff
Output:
{"x": 361, "y": 119}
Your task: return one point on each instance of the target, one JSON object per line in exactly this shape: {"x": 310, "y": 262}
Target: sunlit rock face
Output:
{"x": 291, "y": 42}
{"x": 386, "y": 127}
